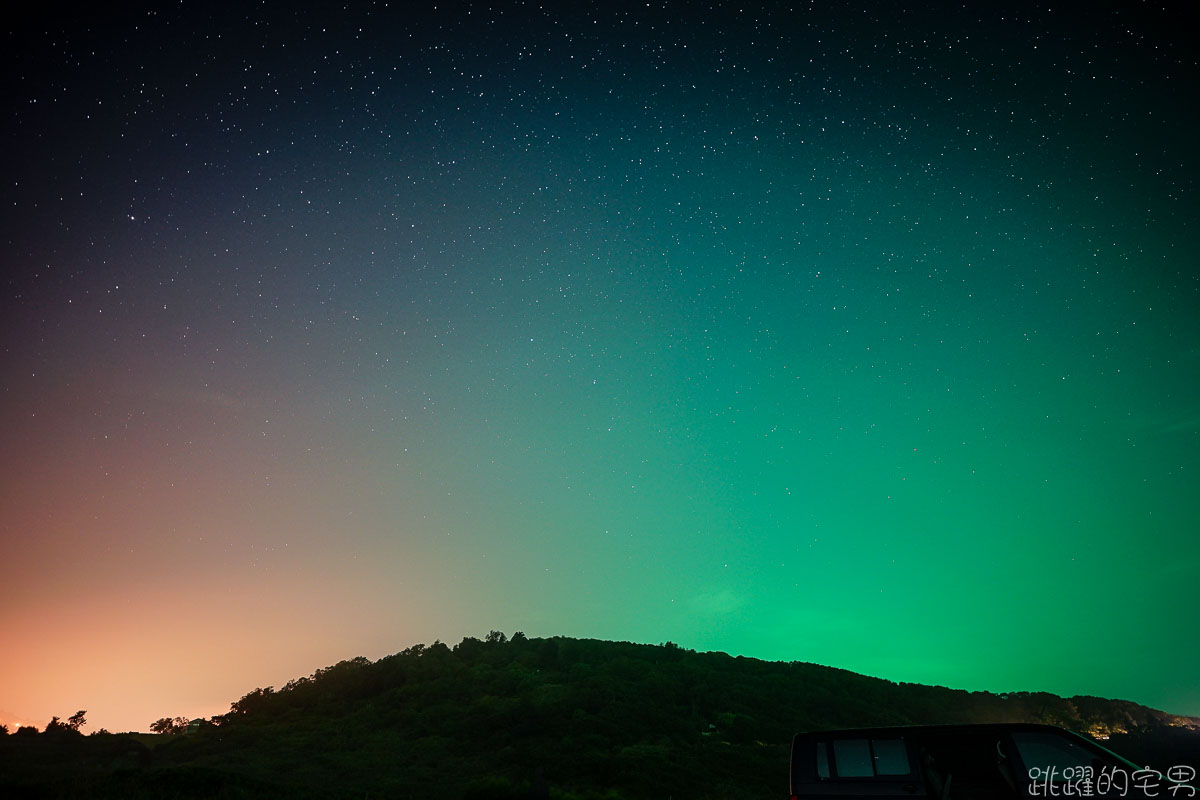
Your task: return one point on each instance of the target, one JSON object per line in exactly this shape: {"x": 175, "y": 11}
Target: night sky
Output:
{"x": 847, "y": 334}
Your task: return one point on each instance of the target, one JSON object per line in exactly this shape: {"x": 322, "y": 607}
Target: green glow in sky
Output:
{"x": 866, "y": 338}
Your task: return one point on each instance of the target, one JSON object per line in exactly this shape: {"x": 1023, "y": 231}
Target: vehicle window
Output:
{"x": 970, "y": 757}
{"x": 891, "y": 756}
{"x": 853, "y": 758}
{"x": 864, "y": 758}
{"x": 1041, "y": 751}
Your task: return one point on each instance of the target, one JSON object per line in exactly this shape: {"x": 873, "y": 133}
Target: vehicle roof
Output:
{"x": 961, "y": 727}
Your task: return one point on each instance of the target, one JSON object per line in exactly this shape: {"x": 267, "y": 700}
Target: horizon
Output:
{"x": 865, "y": 336}
{"x": 13, "y": 721}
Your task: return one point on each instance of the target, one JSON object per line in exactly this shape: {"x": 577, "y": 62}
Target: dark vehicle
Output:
{"x": 971, "y": 762}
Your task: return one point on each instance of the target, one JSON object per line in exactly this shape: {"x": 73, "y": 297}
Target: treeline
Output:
{"x": 551, "y": 718}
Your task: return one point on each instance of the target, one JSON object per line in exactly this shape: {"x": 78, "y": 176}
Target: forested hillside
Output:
{"x": 519, "y": 717}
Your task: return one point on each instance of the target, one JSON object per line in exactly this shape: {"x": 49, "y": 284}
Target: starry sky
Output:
{"x": 859, "y": 334}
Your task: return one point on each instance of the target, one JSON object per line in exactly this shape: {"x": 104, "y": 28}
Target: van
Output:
{"x": 968, "y": 762}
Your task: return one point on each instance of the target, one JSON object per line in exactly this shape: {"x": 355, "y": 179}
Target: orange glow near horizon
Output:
{"x": 180, "y": 653}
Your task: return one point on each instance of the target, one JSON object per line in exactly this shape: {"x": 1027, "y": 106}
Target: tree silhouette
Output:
{"x": 528, "y": 717}
{"x": 56, "y": 726}
{"x": 168, "y": 725}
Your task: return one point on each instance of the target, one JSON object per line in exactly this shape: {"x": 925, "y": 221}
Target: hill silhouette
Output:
{"x": 551, "y": 718}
